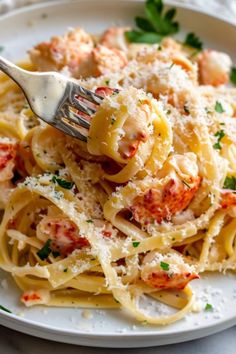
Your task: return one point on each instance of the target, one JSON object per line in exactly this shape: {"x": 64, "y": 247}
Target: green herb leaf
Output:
{"x": 220, "y": 134}
{"x": 62, "y": 182}
{"x": 186, "y": 109}
{"x": 135, "y": 244}
{"x": 230, "y": 183}
{"x": 193, "y": 41}
{"x": 65, "y": 270}
{"x": 143, "y": 37}
{"x": 165, "y": 266}
{"x": 89, "y": 221}
{"x": 4, "y": 309}
{"x": 1, "y": 48}
{"x": 186, "y": 184}
{"x": 56, "y": 254}
{"x": 233, "y": 76}
{"x": 218, "y": 107}
{"x": 162, "y": 23}
{"x": 208, "y": 307}
{"x": 155, "y": 26}
{"x": 45, "y": 250}
{"x": 144, "y": 24}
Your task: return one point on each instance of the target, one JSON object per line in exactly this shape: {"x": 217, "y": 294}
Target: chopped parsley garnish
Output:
{"x": 135, "y": 244}
{"x": 56, "y": 254}
{"x": 65, "y": 270}
{"x": 233, "y": 76}
{"x": 112, "y": 121}
{"x": 1, "y": 48}
{"x": 107, "y": 82}
{"x": 45, "y": 250}
{"x": 62, "y": 182}
{"x": 165, "y": 266}
{"x": 208, "y": 307}
{"x": 155, "y": 26}
{"x": 89, "y": 221}
{"x": 230, "y": 183}
{"x": 186, "y": 184}
{"x": 193, "y": 41}
{"x": 220, "y": 134}
{"x": 186, "y": 109}
{"x": 4, "y": 309}
{"x": 218, "y": 107}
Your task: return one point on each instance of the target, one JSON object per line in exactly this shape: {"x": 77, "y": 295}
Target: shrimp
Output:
{"x": 63, "y": 233}
{"x": 161, "y": 202}
{"x": 214, "y": 68}
{"x": 7, "y": 160}
{"x": 105, "y": 60}
{"x": 167, "y": 271}
{"x": 228, "y": 198}
{"x": 71, "y": 50}
{"x": 114, "y": 37}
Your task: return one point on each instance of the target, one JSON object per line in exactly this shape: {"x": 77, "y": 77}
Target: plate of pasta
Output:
{"x": 127, "y": 239}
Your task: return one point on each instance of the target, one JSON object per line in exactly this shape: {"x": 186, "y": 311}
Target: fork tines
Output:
{"x": 82, "y": 105}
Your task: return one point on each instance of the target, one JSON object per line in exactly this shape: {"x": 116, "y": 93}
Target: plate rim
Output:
{"x": 49, "y": 3}
{"x": 70, "y": 333}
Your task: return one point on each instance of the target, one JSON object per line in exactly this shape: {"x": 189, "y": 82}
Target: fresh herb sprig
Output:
{"x": 193, "y": 41}
{"x": 155, "y": 26}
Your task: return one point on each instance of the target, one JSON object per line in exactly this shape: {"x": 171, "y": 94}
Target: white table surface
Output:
{"x": 12, "y": 342}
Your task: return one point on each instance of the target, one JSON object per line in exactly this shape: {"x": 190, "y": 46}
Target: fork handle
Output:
{"x": 10, "y": 69}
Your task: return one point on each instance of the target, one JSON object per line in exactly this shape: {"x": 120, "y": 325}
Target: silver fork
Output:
{"x": 57, "y": 100}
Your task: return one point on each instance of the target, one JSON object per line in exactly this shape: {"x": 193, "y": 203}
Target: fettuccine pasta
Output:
{"x": 147, "y": 204}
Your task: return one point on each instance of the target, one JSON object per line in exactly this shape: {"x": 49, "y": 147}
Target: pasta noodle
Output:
{"x": 141, "y": 209}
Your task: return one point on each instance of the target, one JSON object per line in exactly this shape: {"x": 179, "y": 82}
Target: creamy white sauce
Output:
{"x": 44, "y": 92}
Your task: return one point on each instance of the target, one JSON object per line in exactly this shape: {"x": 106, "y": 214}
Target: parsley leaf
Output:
{"x": 155, "y": 26}
{"x": 4, "y": 309}
{"x": 143, "y": 37}
{"x": 62, "y": 182}
{"x": 45, "y": 250}
{"x": 193, "y": 41}
{"x": 186, "y": 184}
{"x": 89, "y": 221}
{"x": 164, "y": 266}
{"x": 186, "y": 109}
{"x": 220, "y": 134}
{"x": 218, "y": 107}
{"x": 56, "y": 254}
{"x": 230, "y": 183}
{"x": 135, "y": 244}
{"x": 208, "y": 307}
{"x": 233, "y": 76}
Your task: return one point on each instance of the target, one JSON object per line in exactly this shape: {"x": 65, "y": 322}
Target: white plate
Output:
{"x": 19, "y": 31}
